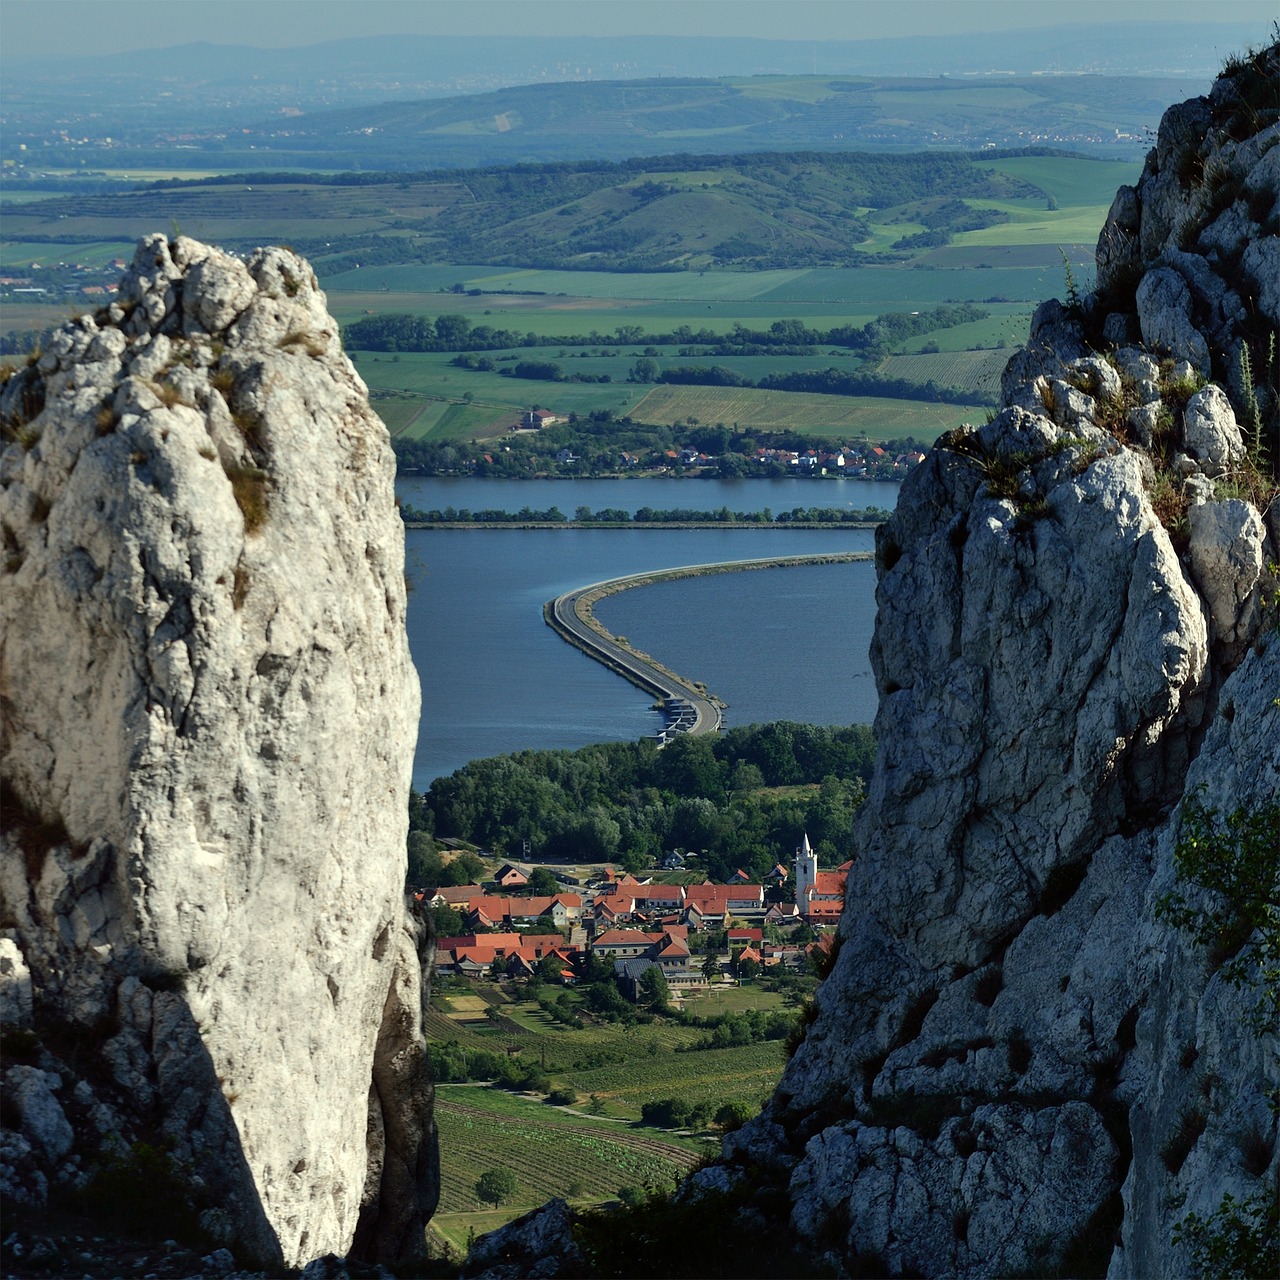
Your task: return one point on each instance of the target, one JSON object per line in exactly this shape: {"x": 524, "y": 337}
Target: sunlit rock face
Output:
{"x": 1018, "y": 1062}
{"x": 209, "y": 715}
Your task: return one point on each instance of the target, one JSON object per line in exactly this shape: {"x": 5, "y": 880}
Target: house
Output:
{"x": 473, "y": 955}
{"x": 456, "y": 895}
{"x": 511, "y": 877}
{"x": 722, "y": 899}
{"x": 624, "y": 943}
{"x": 777, "y": 875}
{"x": 536, "y": 419}
{"x": 674, "y": 861}
{"x": 782, "y": 913}
{"x": 659, "y": 897}
{"x": 668, "y": 951}
{"x": 745, "y": 937}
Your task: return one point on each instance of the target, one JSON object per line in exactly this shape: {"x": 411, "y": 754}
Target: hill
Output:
{"x": 680, "y": 212}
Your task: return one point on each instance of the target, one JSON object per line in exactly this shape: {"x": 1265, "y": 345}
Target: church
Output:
{"x": 819, "y": 894}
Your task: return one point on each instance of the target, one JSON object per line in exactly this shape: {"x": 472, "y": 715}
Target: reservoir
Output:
{"x": 774, "y": 644}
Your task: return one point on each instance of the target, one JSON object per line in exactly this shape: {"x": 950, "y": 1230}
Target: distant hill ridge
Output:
{"x": 674, "y": 212}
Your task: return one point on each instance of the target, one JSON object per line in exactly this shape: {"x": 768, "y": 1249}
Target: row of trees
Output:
{"x": 647, "y": 515}
{"x": 399, "y": 331}
{"x": 830, "y": 381}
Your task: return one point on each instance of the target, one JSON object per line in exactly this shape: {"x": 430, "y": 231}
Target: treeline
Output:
{"x": 645, "y": 515}
{"x": 598, "y": 441}
{"x": 630, "y": 803}
{"x": 831, "y": 382}
{"x": 402, "y": 332}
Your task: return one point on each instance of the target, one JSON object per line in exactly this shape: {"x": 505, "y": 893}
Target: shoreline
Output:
{"x": 827, "y": 526}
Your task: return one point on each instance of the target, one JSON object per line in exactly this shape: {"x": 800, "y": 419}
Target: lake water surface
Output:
{"x": 774, "y": 644}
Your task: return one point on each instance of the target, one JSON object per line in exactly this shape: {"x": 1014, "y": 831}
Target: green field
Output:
{"x": 1007, "y": 268}
{"x": 875, "y": 417}
{"x": 497, "y": 399}
{"x": 747, "y": 1074}
{"x": 1071, "y": 180}
{"x": 22, "y": 253}
{"x": 697, "y": 286}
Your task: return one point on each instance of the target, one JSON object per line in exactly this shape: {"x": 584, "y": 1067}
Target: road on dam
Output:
{"x": 686, "y": 704}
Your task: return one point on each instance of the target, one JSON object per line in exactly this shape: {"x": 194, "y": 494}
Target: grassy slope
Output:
{"x": 785, "y": 205}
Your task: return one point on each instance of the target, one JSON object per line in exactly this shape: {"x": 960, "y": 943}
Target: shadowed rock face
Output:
{"x": 1017, "y": 1062}
{"x": 209, "y": 718}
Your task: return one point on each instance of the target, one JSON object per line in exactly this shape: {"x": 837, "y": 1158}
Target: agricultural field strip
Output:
{"x": 966, "y": 370}
{"x": 745, "y": 1073}
{"x": 877, "y": 417}
{"x": 609, "y": 1131}
{"x": 546, "y": 1158}
{"x": 563, "y": 1046}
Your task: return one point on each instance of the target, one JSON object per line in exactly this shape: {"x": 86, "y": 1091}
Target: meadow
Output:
{"x": 875, "y": 417}
{"x": 419, "y": 397}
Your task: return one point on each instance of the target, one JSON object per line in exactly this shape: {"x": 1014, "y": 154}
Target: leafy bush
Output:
{"x": 1234, "y": 858}
{"x": 1237, "y": 1241}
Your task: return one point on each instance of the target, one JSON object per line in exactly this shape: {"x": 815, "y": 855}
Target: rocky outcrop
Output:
{"x": 209, "y": 715}
{"x": 1022, "y": 1060}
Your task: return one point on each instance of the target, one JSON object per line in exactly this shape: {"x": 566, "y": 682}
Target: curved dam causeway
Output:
{"x": 687, "y": 705}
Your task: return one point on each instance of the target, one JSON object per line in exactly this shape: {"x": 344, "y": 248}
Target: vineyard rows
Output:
{"x": 965, "y": 370}
{"x": 714, "y": 1076}
{"x": 547, "y": 1158}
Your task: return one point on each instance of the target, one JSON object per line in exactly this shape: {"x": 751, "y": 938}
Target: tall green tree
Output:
{"x": 495, "y": 1186}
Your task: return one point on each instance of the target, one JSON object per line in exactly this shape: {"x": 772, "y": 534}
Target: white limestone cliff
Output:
{"x": 209, "y": 717}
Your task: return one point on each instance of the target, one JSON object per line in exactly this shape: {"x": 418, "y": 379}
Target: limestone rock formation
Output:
{"x": 1020, "y": 1061}
{"x": 209, "y": 715}
{"x": 1024, "y": 1060}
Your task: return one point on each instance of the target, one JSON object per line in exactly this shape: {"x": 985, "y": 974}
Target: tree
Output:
{"x": 711, "y": 966}
{"x": 733, "y": 1115}
{"x": 543, "y": 884}
{"x": 446, "y": 921}
{"x": 655, "y": 994}
{"x": 1233, "y": 857}
{"x": 466, "y": 868}
{"x": 496, "y": 1185}
{"x": 425, "y": 867}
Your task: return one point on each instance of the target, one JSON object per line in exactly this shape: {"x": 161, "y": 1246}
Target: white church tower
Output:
{"x": 806, "y": 872}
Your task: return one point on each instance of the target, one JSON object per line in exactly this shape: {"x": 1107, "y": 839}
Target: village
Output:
{"x": 635, "y": 925}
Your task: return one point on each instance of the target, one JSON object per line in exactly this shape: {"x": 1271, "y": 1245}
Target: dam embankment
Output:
{"x": 688, "y": 706}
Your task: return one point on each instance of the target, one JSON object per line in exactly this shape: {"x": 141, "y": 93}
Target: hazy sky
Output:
{"x": 34, "y": 27}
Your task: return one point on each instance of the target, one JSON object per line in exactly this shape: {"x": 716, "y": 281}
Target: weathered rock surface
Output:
{"x": 1019, "y": 1062}
{"x": 210, "y": 711}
